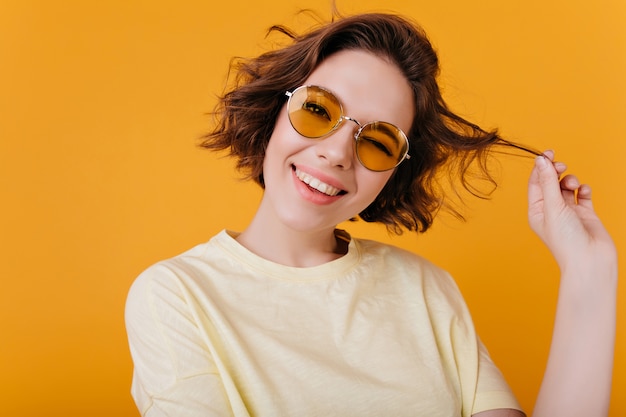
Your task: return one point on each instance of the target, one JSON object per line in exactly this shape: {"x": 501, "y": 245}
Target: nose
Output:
{"x": 338, "y": 148}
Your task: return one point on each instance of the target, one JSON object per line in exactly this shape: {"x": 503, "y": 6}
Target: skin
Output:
{"x": 577, "y": 379}
{"x": 294, "y": 227}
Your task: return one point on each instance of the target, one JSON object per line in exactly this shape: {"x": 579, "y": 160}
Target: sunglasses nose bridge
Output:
{"x": 352, "y": 120}
{"x": 360, "y": 126}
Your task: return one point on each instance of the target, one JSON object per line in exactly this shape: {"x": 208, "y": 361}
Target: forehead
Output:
{"x": 370, "y": 87}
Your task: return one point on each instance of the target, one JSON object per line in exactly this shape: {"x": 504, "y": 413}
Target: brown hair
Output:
{"x": 439, "y": 140}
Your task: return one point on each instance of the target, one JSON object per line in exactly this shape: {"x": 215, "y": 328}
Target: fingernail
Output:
{"x": 541, "y": 161}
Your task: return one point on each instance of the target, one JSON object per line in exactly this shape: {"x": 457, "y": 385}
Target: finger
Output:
{"x": 569, "y": 186}
{"x": 560, "y": 167}
{"x": 584, "y": 196}
{"x": 570, "y": 182}
{"x": 584, "y": 192}
{"x": 535, "y": 195}
{"x": 569, "y": 197}
{"x": 549, "y": 154}
{"x": 548, "y": 182}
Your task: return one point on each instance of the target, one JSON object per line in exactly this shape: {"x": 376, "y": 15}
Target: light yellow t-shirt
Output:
{"x": 219, "y": 331}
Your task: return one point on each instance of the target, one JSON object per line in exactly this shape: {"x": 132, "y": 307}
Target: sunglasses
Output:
{"x": 315, "y": 112}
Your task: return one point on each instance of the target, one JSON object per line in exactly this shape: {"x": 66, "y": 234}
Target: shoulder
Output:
{"x": 184, "y": 265}
{"x": 402, "y": 261}
{"x": 414, "y": 273}
{"x": 369, "y": 247}
{"x": 165, "y": 271}
{"x": 165, "y": 282}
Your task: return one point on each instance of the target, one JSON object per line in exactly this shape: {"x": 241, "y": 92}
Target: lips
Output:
{"x": 317, "y": 184}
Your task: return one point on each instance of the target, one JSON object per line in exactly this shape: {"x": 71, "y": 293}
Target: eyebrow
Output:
{"x": 386, "y": 129}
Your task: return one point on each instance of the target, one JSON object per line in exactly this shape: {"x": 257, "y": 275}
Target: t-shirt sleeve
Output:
{"x": 492, "y": 390}
{"x": 482, "y": 386}
{"x": 174, "y": 371}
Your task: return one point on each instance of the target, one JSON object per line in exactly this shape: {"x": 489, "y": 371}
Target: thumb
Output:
{"x": 548, "y": 180}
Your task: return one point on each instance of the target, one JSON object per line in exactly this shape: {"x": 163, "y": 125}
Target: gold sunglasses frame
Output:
{"x": 342, "y": 117}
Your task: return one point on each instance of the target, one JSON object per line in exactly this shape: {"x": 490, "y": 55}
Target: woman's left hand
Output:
{"x": 561, "y": 213}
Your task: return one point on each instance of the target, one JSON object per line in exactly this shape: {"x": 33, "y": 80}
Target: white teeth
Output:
{"x": 315, "y": 183}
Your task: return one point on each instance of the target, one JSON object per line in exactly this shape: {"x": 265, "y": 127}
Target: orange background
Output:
{"x": 101, "y": 104}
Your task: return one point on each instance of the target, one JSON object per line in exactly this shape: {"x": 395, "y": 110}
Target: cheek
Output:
{"x": 282, "y": 126}
{"x": 276, "y": 142}
{"x": 375, "y": 182}
{"x": 283, "y": 135}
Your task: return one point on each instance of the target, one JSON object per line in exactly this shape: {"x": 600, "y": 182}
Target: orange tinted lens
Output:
{"x": 381, "y": 146}
{"x": 313, "y": 111}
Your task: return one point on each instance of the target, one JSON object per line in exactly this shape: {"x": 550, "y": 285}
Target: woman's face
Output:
{"x": 318, "y": 183}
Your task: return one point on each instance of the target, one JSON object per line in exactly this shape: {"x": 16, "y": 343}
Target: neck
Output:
{"x": 287, "y": 246}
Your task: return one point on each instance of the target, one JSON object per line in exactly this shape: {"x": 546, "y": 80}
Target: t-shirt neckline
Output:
{"x": 226, "y": 240}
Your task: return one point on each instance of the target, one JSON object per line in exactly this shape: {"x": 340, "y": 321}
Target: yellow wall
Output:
{"x": 100, "y": 106}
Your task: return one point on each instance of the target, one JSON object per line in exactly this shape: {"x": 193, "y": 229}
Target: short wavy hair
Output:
{"x": 442, "y": 143}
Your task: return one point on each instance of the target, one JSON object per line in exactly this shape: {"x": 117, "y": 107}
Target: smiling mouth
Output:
{"x": 316, "y": 184}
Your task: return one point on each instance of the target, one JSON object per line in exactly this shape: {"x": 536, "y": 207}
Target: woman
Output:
{"x": 295, "y": 317}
